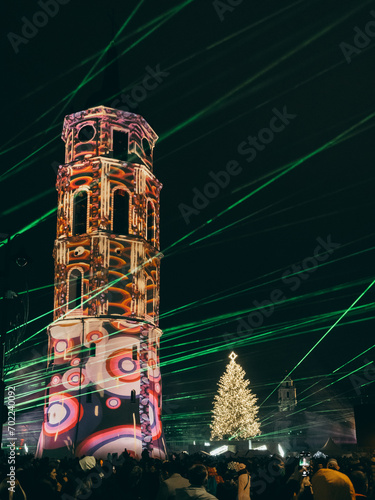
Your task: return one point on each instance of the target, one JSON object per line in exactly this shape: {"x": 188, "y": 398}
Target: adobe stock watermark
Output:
{"x": 362, "y": 39}
{"x": 293, "y": 278}
{"x": 366, "y": 377}
{"x": 222, "y": 7}
{"x": 151, "y": 80}
{"x": 249, "y": 148}
{"x": 264, "y": 477}
{"x": 30, "y": 28}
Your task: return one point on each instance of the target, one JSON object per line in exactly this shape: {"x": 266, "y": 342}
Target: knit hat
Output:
{"x": 87, "y": 463}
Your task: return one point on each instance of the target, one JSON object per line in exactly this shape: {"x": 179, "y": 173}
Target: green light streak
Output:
{"x": 289, "y": 167}
{"x": 6, "y": 174}
{"x": 340, "y": 367}
{"x": 97, "y": 54}
{"x": 221, "y": 295}
{"x": 92, "y": 295}
{"x": 174, "y": 12}
{"x": 31, "y": 225}
{"x": 320, "y": 340}
{"x": 165, "y": 18}
{"x": 167, "y": 14}
{"x": 102, "y": 54}
{"x": 353, "y": 359}
{"x": 337, "y": 380}
{"x": 27, "y": 202}
{"x": 217, "y": 102}
{"x": 329, "y": 399}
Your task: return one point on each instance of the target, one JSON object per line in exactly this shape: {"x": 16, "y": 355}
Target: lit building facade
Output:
{"x": 104, "y": 392}
{"x": 287, "y": 395}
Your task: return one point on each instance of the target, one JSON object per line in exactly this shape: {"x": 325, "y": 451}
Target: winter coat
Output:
{"x": 167, "y": 490}
{"x": 331, "y": 484}
{"x": 194, "y": 493}
{"x": 244, "y": 486}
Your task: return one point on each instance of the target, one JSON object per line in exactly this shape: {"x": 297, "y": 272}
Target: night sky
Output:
{"x": 226, "y": 71}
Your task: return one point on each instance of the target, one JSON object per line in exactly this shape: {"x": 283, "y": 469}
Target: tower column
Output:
{"x": 104, "y": 390}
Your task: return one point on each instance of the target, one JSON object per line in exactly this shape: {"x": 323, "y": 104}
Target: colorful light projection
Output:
{"x": 104, "y": 391}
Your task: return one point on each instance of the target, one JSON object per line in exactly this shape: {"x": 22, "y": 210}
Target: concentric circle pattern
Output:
{"x": 113, "y": 368}
{"x": 71, "y": 379}
{"x": 63, "y": 413}
{"x": 55, "y": 380}
{"x": 120, "y": 365}
{"x": 94, "y": 336}
{"x": 113, "y": 403}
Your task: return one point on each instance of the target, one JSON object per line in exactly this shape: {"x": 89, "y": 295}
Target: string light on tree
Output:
{"x": 235, "y": 411}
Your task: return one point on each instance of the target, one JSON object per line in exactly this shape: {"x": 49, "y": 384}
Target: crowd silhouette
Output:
{"x": 188, "y": 477}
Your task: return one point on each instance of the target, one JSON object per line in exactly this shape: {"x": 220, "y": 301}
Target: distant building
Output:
{"x": 287, "y": 395}
{"x": 308, "y": 425}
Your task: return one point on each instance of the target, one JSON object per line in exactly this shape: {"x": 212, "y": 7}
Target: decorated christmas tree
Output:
{"x": 235, "y": 412}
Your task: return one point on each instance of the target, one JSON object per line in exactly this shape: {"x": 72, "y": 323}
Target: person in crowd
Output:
{"x": 243, "y": 492}
{"x": 333, "y": 464}
{"x": 148, "y": 478}
{"x": 372, "y": 468}
{"x": 228, "y": 489}
{"x": 360, "y": 483}
{"x": 83, "y": 480}
{"x": 305, "y": 491}
{"x": 134, "y": 484}
{"x": 198, "y": 476}
{"x": 213, "y": 480}
{"x": 330, "y": 484}
{"x": 167, "y": 489}
{"x": 6, "y": 494}
{"x": 49, "y": 487}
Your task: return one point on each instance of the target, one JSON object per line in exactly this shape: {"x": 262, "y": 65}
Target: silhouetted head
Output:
{"x": 360, "y": 482}
{"x": 332, "y": 464}
{"x": 198, "y": 475}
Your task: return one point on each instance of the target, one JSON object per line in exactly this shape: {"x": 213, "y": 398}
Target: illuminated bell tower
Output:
{"x": 287, "y": 395}
{"x": 104, "y": 390}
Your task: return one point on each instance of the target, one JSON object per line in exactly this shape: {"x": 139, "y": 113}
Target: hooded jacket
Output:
{"x": 331, "y": 484}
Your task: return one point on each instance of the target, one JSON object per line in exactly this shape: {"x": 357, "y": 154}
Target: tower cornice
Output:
{"x": 117, "y": 115}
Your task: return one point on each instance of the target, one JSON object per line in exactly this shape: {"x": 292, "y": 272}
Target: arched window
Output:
{"x": 132, "y": 396}
{"x": 120, "y": 145}
{"x": 80, "y": 212}
{"x": 146, "y": 147}
{"x": 134, "y": 353}
{"x": 75, "y": 289}
{"x": 150, "y": 222}
{"x": 149, "y": 298}
{"x": 121, "y": 212}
